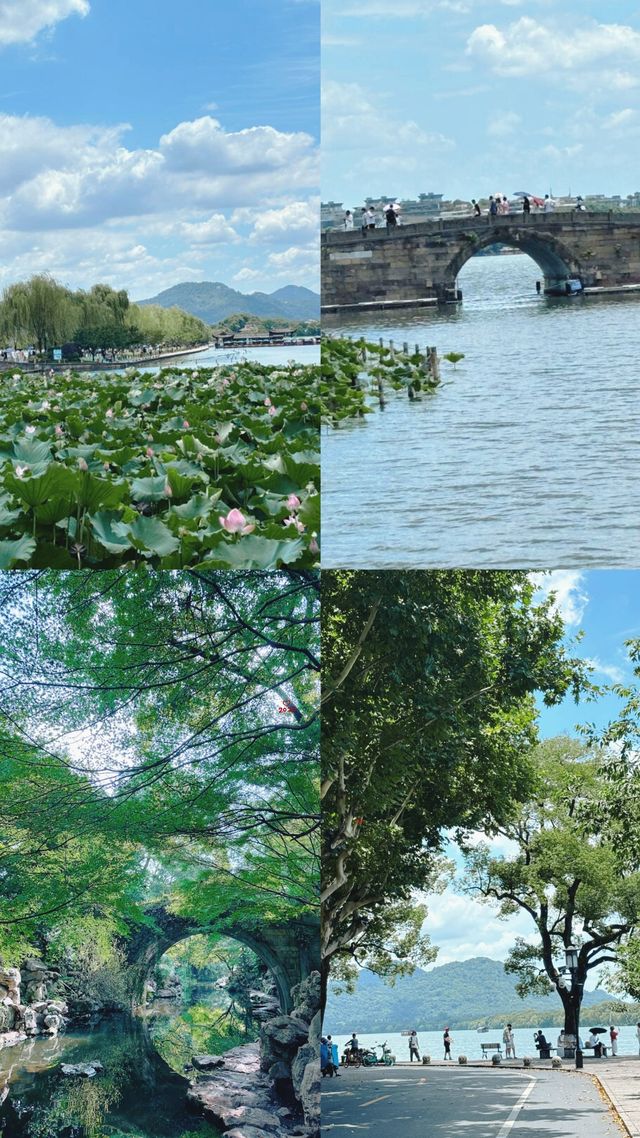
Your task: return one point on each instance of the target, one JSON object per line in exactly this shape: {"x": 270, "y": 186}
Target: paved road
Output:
{"x": 441, "y": 1103}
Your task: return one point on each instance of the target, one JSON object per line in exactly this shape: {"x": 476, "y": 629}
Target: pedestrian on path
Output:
{"x": 414, "y": 1047}
{"x": 613, "y": 1036}
{"x": 526, "y": 208}
{"x": 333, "y": 1055}
{"x": 493, "y": 207}
{"x": 348, "y": 220}
{"x": 447, "y": 1040}
{"x": 509, "y": 1042}
{"x": 477, "y": 212}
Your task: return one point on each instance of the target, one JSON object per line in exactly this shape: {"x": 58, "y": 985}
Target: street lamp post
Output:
{"x": 571, "y": 965}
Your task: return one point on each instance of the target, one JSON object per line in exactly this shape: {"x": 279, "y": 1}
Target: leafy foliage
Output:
{"x": 352, "y": 369}
{"x": 128, "y": 469}
{"x": 163, "y": 746}
{"x": 428, "y": 718}
{"x": 565, "y": 872}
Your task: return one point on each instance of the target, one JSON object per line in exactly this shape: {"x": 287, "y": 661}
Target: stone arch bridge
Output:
{"x": 410, "y": 264}
{"x": 290, "y": 951}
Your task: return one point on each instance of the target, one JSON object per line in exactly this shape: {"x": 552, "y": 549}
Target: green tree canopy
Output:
{"x": 428, "y": 720}
{"x": 565, "y": 872}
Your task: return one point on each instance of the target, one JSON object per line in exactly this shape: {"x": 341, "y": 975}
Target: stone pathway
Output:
{"x": 620, "y": 1080}
{"x": 236, "y": 1097}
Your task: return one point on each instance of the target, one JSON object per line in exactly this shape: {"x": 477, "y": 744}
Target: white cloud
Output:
{"x": 300, "y": 219}
{"x": 22, "y": 20}
{"x": 529, "y": 48}
{"x": 67, "y": 191}
{"x": 611, "y": 671}
{"x": 620, "y": 118}
{"x": 571, "y": 599}
{"x": 506, "y": 123}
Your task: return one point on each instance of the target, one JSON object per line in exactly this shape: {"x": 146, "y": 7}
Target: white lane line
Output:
{"x": 505, "y": 1129}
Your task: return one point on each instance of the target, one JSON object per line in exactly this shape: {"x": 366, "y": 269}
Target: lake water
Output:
{"x": 468, "y": 1042}
{"x": 142, "y": 1091}
{"x": 216, "y": 357}
{"x": 528, "y": 453}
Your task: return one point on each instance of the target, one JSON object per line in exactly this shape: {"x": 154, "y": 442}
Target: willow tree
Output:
{"x": 565, "y": 871}
{"x": 428, "y": 718}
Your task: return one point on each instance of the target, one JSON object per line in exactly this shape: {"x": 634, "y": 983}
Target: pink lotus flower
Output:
{"x": 293, "y": 502}
{"x": 59, "y": 431}
{"x": 185, "y": 424}
{"x": 267, "y": 402}
{"x": 273, "y": 410}
{"x": 304, "y": 407}
{"x": 109, "y": 413}
{"x": 293, "y": 521}
{"x": 82, "y": 463}
{"x": 149, "y": 452}
{"x": 29, "y": 430}
{"x": 313, "y": 546}
{"x": 168, "y": 492}
{"x": 235, "y": 522}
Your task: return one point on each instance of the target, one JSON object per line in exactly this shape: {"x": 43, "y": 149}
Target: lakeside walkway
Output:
{"x": 618, "y": 1078}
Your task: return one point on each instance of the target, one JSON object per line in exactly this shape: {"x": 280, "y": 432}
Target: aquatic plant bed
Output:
{"x": 356, "y": 374}
{"x": 217, "y": 468}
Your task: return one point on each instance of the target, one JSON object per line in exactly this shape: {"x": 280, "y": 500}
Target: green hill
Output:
{"x": 462, "y": 994}
{"x": 213, "y": 301}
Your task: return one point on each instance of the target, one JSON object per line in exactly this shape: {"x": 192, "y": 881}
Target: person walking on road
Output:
{"x": 509, "y": 1043}
{"x": 613, "y": 1036}
{"x": 414, "y": 1048}
{"x": 446, "y": 1039}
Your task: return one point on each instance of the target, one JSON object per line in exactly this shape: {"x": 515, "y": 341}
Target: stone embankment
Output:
{"x": 269, "y": 1089}
{"x": 31, "y": 1012}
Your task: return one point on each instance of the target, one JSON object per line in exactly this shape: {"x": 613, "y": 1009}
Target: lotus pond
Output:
{"x": 356, "y": 373}
{"x": 218, "y": 468}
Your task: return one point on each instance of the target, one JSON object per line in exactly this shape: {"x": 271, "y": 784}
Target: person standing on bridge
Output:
{"x": 348, "y": 220}
{"x": 493, "y": 207}
{"x": 371, "y": 218}
{"x": 549, "y": 204}
{"x": 390, "y": 216}
{"x": 526, "y": 208}
{"x": 477, "y": 212}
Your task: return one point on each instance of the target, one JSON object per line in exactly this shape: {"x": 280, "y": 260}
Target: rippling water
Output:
{"x": 527, "y": 455}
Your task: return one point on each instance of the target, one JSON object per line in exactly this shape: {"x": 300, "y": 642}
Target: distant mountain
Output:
{"x": 212, "y": 301}
{"x": 463, "y": 994}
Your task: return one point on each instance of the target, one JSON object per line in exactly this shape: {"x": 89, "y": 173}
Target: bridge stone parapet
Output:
{"x": 413, "y": 264}
{"x": 290, "y": 951}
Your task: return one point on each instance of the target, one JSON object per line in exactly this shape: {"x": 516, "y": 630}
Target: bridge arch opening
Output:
{"x": 555, "y": 262}
{"x": 206, "y": 995}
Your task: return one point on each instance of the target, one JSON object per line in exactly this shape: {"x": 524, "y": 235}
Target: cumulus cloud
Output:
{"x": 22, "y": 20}
{"x": 529, "y": 48}
{"x": 506, "y": 123}
{"x": 356, "y": 120}
{"x": 567, "y": 585}
{"x": 59, "y": 183}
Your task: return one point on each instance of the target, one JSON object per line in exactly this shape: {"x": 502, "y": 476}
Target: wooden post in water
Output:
{"x": 405, "y": 348}
{"x": 434, "y": 364}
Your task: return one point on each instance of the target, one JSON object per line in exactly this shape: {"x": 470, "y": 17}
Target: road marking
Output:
{"x": 372, "y": 1100}
{"x": 506, "y": 1127}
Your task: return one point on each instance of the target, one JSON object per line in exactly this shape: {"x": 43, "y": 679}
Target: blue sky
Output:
{"x": 605, "y": 606}
{"x": 143, "y": 144}
{"x": 466, "y": 98}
